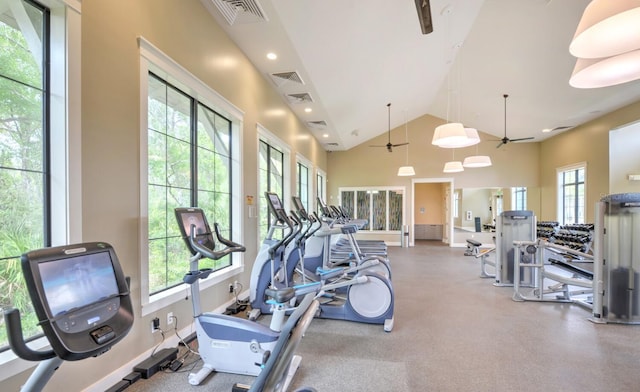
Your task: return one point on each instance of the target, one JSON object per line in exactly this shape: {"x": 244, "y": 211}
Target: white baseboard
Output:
{"x": 172, "y": 341}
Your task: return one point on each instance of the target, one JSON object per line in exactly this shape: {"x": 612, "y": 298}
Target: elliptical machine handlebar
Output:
{"x": 211, "y": 253}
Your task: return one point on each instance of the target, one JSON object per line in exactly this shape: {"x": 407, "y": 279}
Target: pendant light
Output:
{"x": 406, "y": 171}
{"x": 451, "y": 135}
{"x": 453, "y": 166}
{"x": 607, "y": 44}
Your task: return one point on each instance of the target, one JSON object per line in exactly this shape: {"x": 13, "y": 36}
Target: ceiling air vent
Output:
{"x": 282, "y": 78}
{"x": 299, "y": 98}
{"x": 240, "y": 11}
{"x": 317, "y": 124}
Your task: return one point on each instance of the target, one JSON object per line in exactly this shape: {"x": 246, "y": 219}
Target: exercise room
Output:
{"x": 272, "y": 195}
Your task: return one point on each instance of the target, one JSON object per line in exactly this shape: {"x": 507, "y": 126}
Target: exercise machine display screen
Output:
{"x": 195, "y": 216}
{"x": 76, "y": 282}
{"x": 274, "y": 201}
{"x": 81, "y": 297}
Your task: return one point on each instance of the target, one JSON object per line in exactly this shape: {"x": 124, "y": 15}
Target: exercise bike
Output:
{"x": 226, "y": 344}
{"x": 81, "y": 298}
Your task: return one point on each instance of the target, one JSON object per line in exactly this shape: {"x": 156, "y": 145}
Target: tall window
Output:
{"x": 30, "y": 152}
{"x": 271, "y": 179}
{"x": 519, "y": 198}
{"x": 189, "y": 161}
{"x": 382, "y": 208}
{"x": 321, "y": 180}
{"x": 189, "y": 156}
{"x": 302, "y": 184}
{"x": 571, "y": 194}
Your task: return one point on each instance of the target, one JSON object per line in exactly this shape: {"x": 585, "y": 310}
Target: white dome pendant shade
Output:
{"x": 607, "y": 28}
{"x": 406, "y": 171}
{"x": 475, "y": 161}
{"x": 454, "y": 135}
{"x": 453, "y": 167}
{"x": 609, "y": 71}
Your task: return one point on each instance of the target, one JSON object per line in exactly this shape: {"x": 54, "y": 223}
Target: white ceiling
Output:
{"x": 354, "y": 57}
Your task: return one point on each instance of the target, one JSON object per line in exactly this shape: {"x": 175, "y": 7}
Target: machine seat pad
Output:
{"x": 474, "y": 242}
{"x": 281, "y": 295}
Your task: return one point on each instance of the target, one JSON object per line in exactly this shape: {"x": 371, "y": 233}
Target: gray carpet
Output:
{"x": 455, "y": 332}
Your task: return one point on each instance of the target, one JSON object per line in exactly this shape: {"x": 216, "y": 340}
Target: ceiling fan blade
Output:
{"x": 521, "y": 139}
{"x": 377, "y": 145}
{"x": 400, "y": 144}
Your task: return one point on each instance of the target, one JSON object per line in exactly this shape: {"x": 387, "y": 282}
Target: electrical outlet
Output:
{"x": 155, "y": 325}
{"x": 230, "y": 288}
{"x": 169, "y": 318}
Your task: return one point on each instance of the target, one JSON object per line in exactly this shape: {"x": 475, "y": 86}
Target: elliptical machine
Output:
{"x": 346, "y": 294}
{"x": 226, "y": 344}
{"x": 81, "y": 298}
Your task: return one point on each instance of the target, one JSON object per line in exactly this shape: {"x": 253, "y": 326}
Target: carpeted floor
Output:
{"x": 455, "y": 332}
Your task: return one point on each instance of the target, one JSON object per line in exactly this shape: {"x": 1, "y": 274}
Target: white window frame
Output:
{"x": 514, "y": 197}
{"x": 397, "y": 189}
{"x": 300, "y": 159}
{"x": 66, "y": 143}
{"x": 560, "y": 186}
{"x": 323, "y": 194}
{"x": 267, "y": 136}
{"x": 154, "y": 60}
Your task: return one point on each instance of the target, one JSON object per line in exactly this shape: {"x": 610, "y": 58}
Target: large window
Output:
{"x": 190, "y": 157}
{"x": 572, "y": 194}
{"x": 24, "y": 150}
{"x": 321, "y": 180}
{"x": 519, "y": 198}
{"x": 303, "y": 184}
{"x": 39, "y": 144}
{"x": 271, "y": 178}
{"x": 382, "y": 208}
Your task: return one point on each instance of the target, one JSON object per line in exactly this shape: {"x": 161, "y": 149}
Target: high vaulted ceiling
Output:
{"x": 347, "y": 59}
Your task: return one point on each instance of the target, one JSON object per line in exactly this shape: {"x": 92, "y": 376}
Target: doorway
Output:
{"x": 432, "y": 217}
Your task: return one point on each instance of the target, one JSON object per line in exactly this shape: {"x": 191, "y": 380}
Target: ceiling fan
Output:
{"x": 424, "y": 15}
{"x": 389, "y": 145}
{"x": 505, "y": 139}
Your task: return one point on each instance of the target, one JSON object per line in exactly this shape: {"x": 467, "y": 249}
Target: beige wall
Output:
{"x": 587, "y": 143}
{"x": 624, "y": 145}
{"x": 429, "y": 203}
{"x": 186, "y": 32}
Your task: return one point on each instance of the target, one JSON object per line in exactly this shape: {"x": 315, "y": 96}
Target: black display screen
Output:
{"x": 75, "y": 282}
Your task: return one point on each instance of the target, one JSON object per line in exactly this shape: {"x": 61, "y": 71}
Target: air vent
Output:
{"x": 317, "y": 124}
{"x": 240, "y": 11}
{"x": 299, "y": 98}
{"x": 332, "y": 144}
{"x": 282, "y": 78}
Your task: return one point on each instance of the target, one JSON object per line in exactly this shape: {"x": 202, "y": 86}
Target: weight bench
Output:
{"x": 473, "y": 248}
{"x": 482, "y": 255}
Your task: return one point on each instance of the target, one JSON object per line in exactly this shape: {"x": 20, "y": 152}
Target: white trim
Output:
{"x": 172, "y": 341}
{"x": 559, "y": 185}
{"x": 66, "y": 147}
{"x": 267, "y": 136}
{"x": 154, "y": 60}
{"x": 449, "y": 201}
{"x": 310, "y": 178}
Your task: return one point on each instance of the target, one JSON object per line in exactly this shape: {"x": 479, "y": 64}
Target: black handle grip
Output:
{"x": 16, "y": 340}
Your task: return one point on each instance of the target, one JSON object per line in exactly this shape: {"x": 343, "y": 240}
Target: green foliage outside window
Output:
{"x": 22, "y": 157}
{"x": 189, "y": 163}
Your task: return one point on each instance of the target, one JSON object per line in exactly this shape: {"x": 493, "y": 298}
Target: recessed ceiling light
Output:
{"x": 308, "y": 110}
{"x": 325, "y": 135}
{"x": 272, "y": 56}
{"x": 546, "y": 130}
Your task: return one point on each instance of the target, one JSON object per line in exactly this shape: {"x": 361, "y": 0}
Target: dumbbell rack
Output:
{"x": 578, "y": 236}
